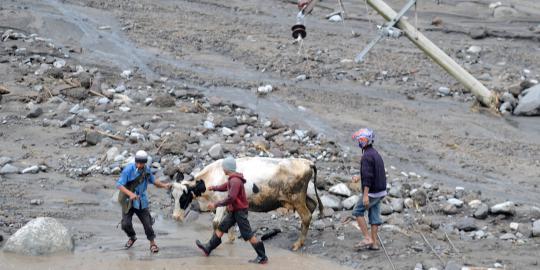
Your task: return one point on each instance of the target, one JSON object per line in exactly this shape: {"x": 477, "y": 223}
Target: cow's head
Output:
{"x": 183, "y": 193}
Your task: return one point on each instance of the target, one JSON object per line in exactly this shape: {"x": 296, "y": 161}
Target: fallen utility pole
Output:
{"x": 484, "y": 95}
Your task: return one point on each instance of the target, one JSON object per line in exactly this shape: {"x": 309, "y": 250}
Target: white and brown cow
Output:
{"x": 271, "y": 183}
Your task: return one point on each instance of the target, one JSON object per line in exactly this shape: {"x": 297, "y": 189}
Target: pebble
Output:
{"x": 450, "y": 209}
{"x": 467, "y": 224}
{"x": 265, "y": 89}
{"x": 33, "y": 169}
{"x": 36, "y": 202}
{"x": 474, "y": 49}
{"x": 35, "y": 112}
{"x": 508, "y": 236}
{"x": 227, "y": 131}
{"x": 514, "y": 226}
{"x": 5, "y": 160}
{"x": 481, "y": 212}
{"x": 350, "y": 202}
{"x": 507, "y": 208}
{"x": 216, "y": 151}
{"x": 455, "y": 202}
{"x": 101, "y": 101}
{"x": 300, "y": 78}
{"x": 60, "y": 63}
{"x": 126, "y": 74}
{"x": 444, "y": 91}
{"x": 112, "y": 153}
{"x": 124, "y": 109}
{"x": 475, "y": 204}
{"x": 208, "y": 125}
{"x": 335, "y": 18}
{"x": 536, "y": 229}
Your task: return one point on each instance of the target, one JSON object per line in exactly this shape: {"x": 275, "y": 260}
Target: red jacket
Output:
{"x": 236, "y": 199}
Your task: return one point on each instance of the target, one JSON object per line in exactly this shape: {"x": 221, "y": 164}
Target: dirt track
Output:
{"x": 230, "y": 48}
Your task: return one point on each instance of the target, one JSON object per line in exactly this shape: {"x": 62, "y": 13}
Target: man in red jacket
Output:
{"x": 237, "y": 206}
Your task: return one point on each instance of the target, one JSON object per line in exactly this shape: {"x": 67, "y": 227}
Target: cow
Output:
{"x": 271, "y": 183}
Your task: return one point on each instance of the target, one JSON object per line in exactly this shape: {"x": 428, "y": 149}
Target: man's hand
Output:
{"x": 355, "y": 179}
{"x": 211, "y": 206}
{"x": 133, "y": 196}
{"x": 167, "y": 185}
{"x": 365, "y": 200}
{"x": 303, "y": 3}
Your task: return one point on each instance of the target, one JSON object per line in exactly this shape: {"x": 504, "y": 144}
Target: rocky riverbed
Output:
{"x": 87, "y": 83}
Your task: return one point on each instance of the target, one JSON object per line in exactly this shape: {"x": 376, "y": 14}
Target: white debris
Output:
{"x": 265, "y": 89}
{"x": 335, "y": 18}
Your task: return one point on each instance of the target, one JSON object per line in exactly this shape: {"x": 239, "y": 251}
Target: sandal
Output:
{"x": 374, "y": 247}
{"x": 130, "y": 242}
{"x": 154, "y": 248}
{"x": 363, "y": 245}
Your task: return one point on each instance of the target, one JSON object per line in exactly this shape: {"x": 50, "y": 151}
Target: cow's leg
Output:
{"x": 232, "y": 234}
{"x": 311, "y": 204}
{"x": 305, "y": 215}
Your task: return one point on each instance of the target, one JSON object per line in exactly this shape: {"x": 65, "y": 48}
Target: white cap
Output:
{"x": 141, "y": 156}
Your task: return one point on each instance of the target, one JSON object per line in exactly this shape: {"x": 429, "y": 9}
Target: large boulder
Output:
{"x": 529, "y": 102}
{"x": 40, "y": 236}
{"x": 331, "y": 201}
{"x": 340, "y": 189}
{"x": 350, "y": 202}
{"x": 536, "y": 229}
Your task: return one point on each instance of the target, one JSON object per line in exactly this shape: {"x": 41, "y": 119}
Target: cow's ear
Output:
{"x": 179, "y": 177}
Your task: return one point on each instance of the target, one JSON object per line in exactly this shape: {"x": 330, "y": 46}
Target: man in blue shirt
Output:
{"x": 138, "y": 198}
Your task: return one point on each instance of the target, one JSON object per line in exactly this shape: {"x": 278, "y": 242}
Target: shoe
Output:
{"x": 261, "y": 253}
{"x": 207, "y": 248}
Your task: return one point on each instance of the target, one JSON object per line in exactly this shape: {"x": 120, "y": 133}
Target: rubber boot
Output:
{"x": 213, "y": 243}
{"x": 261, "y": 253}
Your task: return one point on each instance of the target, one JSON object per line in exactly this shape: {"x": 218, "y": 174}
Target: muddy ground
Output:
{"x": 228, "y": 49}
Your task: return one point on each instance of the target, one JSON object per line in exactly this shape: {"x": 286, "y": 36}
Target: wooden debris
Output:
{"x": 115, "y": 137}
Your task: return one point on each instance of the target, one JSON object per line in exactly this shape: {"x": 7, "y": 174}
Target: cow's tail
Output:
{"x": 319, "y": 202}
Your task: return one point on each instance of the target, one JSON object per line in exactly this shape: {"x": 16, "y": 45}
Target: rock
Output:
{"x": 536, "y": 229}
{"x": 112, "y": 153}
{"x": 126, "y": 74}
{"x": 508, "y": 236}
{"x": 33, "y": 169}
{"x": 36, "y": 202}
{"x": 1, "y": 238}
{"x": 525, "y": 229}
{"x": 436, "y": 21}
{"x": 455, "y": 202}
{"x": 5, "y": 160}
{"x": 386, "y": 209}
{"x": 443, "y": 91}
{"x": 481, "y": 212}
{"x": 467, "y": 224}
{"x": 340, "y": 189}
{"x": 40, "y": 236}
{"x": 176, "y": 144}
{"x": 397, "y": 205}
{"x": 418, "y": 266}
{"x": 9, "y": 169}
{"x": 35, "y": 112}
{"x": 164, "y": 101}
{"x": 474, "y": 204}
{"x": 450, "y": 209}
{"x": 265, "y": 89}
{"x": 474, "y": 49}
{"x": 208, "y": 125}
{"x": 300, "y": 78}
{"x": 227, "y": 131}
{"x": 93, "y": 137}
{"x": 331, "y": 201}
{"x": 514, "y": 226}
{"x": 229, "y": 122}
{"x": 395, "y": 191}
{"x": 507, "y": 208}
{"x": 318, "y": 225}
{"x": 350, "y": 202}
{"x": 216, "y": 151}
{"x": 409, "y": 203}
{"x": 419, "y": 197}
{"x": 103, "y": 101}
{"x": 505, "y": 12}
{"x": 68, "y": 121}
{"x": 529, "y": 102}
{"x": 335, "y": 18}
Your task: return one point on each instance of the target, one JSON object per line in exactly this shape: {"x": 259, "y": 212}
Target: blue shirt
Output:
{"x": 129, "y": 173}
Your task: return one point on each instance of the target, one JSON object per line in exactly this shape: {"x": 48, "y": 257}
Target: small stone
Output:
{"x": 208, "y": 125}
{"x": 408, "y": 203}
{"x": 36, "y": 202}
{"x": 35, "y": 112}
{"x": 216, "y": 151}
{"x": 455, "y": 202}
{"x": 68, "y": 121}
{"x": 300, "y": 78}
{"x": 148, "y": 101}
{"x": 419, "y": 197}
{"x": 164, "y": 101}
{"x": 335, "y": 18}
{"x": 229, "y": 122}
{"x": 474, "y": 49}
{"x": 60, "y": 63}
{"x": 33, "y": 169}
{"x": 126, "y": 74}
{"x": 514, "y": 226}
{"x": 5, "y": 160}
{"x": 536, "y": 229}
{"x": 529, "y": 102}
{"x": 227, "y": 131}
{"x": 452, "y": 265}
{"x": 450, "y": 209}
{"x": 9, "y": 169}
{"x": 418, "y": 266}
{"x": 103, "y": 101}
{"x": 467, "y": 224}
{"x": 507, "y": 208}
{"x": 319, "y": 225}
{"x": 444, "y": 91}
{"x": 474, "y": 204}
{"x": 265, "y": 89}
{"x": 508, "y": 236}
{"x": 93, "y": 137}
{"x": 481, "y": 212}
{"x": 124, "y": 109}
{"x": 112, "y": 153}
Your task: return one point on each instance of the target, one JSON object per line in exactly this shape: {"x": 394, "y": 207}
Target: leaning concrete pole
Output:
{"x": 485, "y": 96}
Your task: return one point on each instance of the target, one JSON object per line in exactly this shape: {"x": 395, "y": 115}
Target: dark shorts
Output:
{"x": 239, "y": 217}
